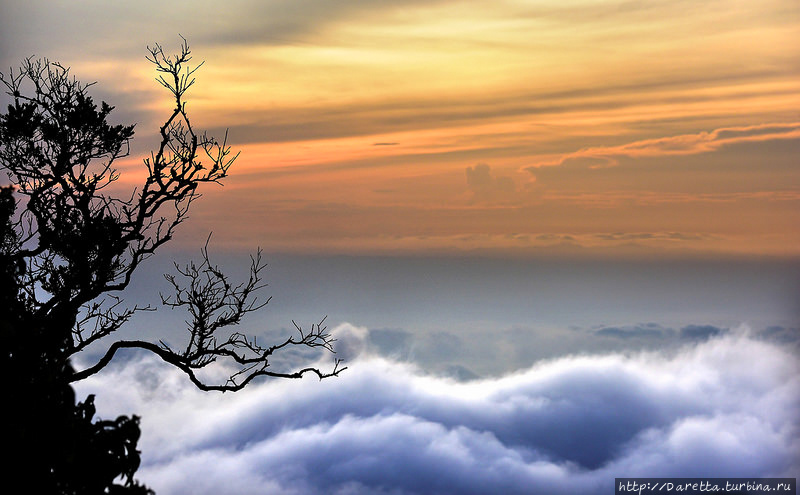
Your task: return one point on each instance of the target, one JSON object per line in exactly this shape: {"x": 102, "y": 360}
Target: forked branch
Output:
{"x": 214, "y": 303}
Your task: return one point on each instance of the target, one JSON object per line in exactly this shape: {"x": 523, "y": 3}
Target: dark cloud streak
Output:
{"x": 403, "y": 113}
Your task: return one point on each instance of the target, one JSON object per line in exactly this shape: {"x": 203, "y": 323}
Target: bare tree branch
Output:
{"x": 77, "y": 246}
{"x": 256, "y": 366}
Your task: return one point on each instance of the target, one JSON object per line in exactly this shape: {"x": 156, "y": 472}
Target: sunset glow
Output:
{"x": 551, "y": 243}
{"x": 673, "y": 119}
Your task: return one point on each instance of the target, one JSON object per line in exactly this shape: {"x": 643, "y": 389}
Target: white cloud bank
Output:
{"x": 724, "y": 407}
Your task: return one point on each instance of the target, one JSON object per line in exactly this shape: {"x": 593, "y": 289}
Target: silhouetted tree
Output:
{"x": 68, "y": 248}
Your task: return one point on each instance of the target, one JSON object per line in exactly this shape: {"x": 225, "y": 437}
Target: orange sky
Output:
{"x": 516, "y": 127}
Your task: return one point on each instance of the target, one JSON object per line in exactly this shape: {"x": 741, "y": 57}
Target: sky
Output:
{"x": 513, "y": 126}
{"x": 558, "y": 241}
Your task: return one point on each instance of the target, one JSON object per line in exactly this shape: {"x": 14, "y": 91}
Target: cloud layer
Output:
{"x": 723, "y": 407}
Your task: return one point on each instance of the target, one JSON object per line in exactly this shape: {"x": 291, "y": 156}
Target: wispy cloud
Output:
{"x": 684, "y": 144}
{"x": 333, "y": 104}
{"x": 564, "y": 426}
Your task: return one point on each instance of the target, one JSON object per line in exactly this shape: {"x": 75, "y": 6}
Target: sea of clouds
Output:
{"x": 727, "y": 406}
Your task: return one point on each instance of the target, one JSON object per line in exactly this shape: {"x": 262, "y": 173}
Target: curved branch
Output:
{"x": 184, "y": 365}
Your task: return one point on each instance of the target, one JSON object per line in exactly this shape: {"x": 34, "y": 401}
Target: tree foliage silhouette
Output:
{"x": 68, "y": 248}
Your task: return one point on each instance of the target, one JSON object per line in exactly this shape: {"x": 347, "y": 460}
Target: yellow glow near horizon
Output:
{"x": 585, "y": 117}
